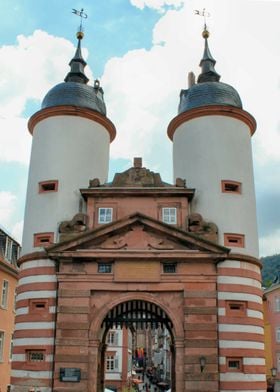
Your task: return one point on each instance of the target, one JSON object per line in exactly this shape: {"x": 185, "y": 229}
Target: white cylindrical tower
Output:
{"x": 212, "y": 150}
{"x": 71, "y": 139}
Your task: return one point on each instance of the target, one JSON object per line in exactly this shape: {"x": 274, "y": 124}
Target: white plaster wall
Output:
{"x": 69, "y": 149}
{"x": 207, "y": 150}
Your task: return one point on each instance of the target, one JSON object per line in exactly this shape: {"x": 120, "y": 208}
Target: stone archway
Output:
{"x": 138, "y": 308}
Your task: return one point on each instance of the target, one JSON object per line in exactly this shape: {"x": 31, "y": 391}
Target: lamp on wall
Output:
{"x": 273, "y": 371}
{"x": 202, "y": 361}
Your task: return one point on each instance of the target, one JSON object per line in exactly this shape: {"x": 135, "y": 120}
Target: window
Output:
{"x": 111, "y": 362}
{"x": 105, "y": 268}
{"x": 48, "y": 186}
{"x": 9, "y": 248}
{"x": 1, "y": 345}
{"x": 35, "y": 356}
{"x": 169, "y": 268}
{"x": 231, "y": 186}
{"x": 278, "y": 334}
{"x": 169, "y": 215}
{"x": 277, "y": 304}
{"x": 43, "y": 239}
{"x": 38, "y": 305}
{"x": 234, "y": 364}
{"x": 234, "y": 240}
{"x": 112, "y": 338}
{"x": 11, "y": 346}
{"x": 236, "y": 308}
{"x": 4, "y": 299}
{"x": 105, "y": 215}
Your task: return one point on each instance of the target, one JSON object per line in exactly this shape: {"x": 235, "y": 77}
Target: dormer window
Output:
{"x": 105, "y": 215}
{"x": 169, "y": 215}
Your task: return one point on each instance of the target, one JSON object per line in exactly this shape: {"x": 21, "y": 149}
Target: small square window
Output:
{"x": 236, "y": 308}
{"x": 35, "y": 356}
{"x": 169, "y": 268}
{"x": 48, "y": 186}
{"x": 231, "y": 186}
{"x": 105, "y": 268}
{"x": 234, "y": 364}
{"x": 43, "y": 239}
{"x": 234, "y": 240}
{"x": 105, "y": 215}
{"x": 169, "y": 215}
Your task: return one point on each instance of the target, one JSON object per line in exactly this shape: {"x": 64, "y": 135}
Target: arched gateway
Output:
{"x": 136, "y": 314}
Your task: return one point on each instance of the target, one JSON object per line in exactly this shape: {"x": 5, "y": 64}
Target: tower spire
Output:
{"x": 77, "y": 63}
{"x": 207, "y": 63}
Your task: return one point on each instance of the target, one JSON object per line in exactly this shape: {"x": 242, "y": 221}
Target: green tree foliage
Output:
{"x": 270, "y": 270}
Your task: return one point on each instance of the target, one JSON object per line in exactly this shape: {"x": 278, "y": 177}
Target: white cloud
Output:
{"x": 28, "y": 70}
{"x": 156, "y": 4}
{"x": 7, "y": 207}
{"x": 270, "y": 245}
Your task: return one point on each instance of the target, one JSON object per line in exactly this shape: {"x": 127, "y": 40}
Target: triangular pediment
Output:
{"x": 136, "y": 233}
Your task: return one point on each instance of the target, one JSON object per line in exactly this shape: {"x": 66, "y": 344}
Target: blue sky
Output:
{"x": 141, "y": 50}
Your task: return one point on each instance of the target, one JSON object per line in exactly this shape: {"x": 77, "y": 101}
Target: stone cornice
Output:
{"x": 72, "y": 111}
{"x": 212, "y": 110}
{"x": 32, "y": 256}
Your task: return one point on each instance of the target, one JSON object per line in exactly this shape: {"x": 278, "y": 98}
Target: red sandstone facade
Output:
{"x": 211, "y": 301}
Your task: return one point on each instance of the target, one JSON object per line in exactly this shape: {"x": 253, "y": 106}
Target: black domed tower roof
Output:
{"x": 75, "y": 91}
{"x": 208, "y": 90}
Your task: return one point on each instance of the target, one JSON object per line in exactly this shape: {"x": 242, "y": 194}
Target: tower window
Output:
{"x": 234, "y": 364}
{"x": 234, "y": 240}
{"x": 236, "y": 308}
{"x": 169, "y": 215}
{"x": 43, "y": 239}
{"x": 231, "y": 186}
{"x": 105, "y": 215}
{"x": 48, "y": 186}
{"x": 35, "y": 356}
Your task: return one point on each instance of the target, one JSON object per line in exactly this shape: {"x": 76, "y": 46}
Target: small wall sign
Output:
{"x": 70, "y": 374}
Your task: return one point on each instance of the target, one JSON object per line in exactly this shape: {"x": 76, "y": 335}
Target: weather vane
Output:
{"x": 205, "y": 15}
{"x": 82, "y": 15}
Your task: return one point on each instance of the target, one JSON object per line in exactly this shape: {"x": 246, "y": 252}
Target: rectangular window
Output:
{"x": 105, "y": 268}
{"x": 43, "y": 239}
{"x": 236, "y": 308}
{"x": 110, "y": 362}
{"x": 35, "y": 356}
{"x": 169, "y": 215}
{"x": 38, "y": 305}
{"x": 9, "y": 248}
{"x": 234, "y": 240}
{"x": 169, "y": 268}
{"x": 11, "y": 346}
{"x": 4, "y": 299}
{"x": 111, "y": 338}
{"x": 234, "y": 364}
{"x": 1, "y": 345}
{"x": 48, "y": 186}
{"x": 278, "y": 334}
{"x": 277, "y": 304}
{"x": 105, "y": 215}
{"x": 229, "y": 186}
